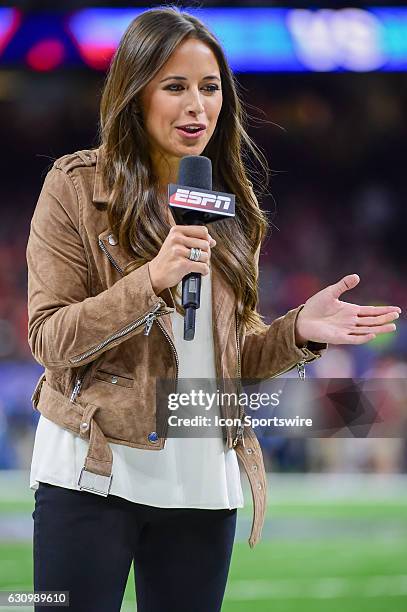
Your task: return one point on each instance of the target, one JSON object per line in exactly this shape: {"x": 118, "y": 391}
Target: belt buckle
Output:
{"x": 95, "y": 483}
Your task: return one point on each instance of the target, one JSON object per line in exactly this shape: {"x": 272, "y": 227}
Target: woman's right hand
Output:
{"x": 171, "y": 263}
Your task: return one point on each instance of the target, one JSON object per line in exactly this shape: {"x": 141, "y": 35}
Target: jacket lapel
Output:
{"x": 223, "y": 304}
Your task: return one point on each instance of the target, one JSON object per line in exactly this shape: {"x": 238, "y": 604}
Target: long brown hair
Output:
{"x": 134, "y": 211}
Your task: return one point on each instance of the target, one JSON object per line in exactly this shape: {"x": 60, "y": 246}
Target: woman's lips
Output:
{"x": 191, "y": 135}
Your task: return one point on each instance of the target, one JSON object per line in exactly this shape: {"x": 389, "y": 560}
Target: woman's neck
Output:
{"x": 166, "y": 169}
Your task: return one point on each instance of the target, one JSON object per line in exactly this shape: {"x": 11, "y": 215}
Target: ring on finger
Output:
{"x": 194, "y": 254}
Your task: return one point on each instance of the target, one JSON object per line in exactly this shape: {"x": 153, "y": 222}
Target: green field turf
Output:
{"x": 318, "y": 575}
{"x": 357, "y": 564}
{"x": 380, "y": 510}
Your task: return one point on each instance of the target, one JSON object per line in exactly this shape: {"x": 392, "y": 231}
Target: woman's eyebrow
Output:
{"x": 181, "y": 78}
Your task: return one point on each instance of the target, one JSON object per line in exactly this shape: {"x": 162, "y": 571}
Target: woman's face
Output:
{"x": 185, "y": 92}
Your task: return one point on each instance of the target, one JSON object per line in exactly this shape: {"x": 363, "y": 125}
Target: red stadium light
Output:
{"x": 46, "y": 55}
{"x": 96, "y": 33}
{"x": 96, "y": 57}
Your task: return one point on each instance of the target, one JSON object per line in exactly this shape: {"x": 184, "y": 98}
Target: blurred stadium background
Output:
{"x": 327, "y": 91}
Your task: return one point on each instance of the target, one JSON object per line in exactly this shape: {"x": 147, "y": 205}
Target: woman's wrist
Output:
{"x": 300, "y": 341}
{"x": 155, "y": 283}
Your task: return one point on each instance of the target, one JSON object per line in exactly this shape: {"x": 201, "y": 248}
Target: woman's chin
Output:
{"x": 180, "y": 150}
{"x": 188, "y": 147}
{"x": 193, "y": 148}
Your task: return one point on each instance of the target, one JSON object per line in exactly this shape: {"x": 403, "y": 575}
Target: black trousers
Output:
{"x": 85, "y": 544}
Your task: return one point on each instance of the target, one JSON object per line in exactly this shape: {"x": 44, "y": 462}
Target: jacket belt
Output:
{"x": 96, "y": 474}
{"x": 250, "y": 454}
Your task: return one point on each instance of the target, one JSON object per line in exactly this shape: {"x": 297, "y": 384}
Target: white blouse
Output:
{"x": 186, "y": 473}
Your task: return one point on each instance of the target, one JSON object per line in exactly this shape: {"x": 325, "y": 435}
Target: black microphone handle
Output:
{"x": 189, "y": 323}
{"x": 191, "y": 298}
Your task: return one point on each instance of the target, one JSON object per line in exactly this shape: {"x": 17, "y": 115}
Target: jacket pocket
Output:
{"x": 114, "y": 379}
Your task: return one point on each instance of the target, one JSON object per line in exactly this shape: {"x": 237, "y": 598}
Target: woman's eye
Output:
{"x": 174, "y": 87}
{"x": 211, "y": 88}
{"x": 177, "y": 87}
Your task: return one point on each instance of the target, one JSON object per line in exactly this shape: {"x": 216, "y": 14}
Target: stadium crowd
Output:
{"x": 336, "y": 206}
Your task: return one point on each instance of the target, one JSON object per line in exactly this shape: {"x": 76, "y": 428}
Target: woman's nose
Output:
{"x": 195, "y": 103}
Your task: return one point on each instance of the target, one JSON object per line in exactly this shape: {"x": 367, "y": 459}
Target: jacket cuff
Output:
{"x": 316, "y": 347}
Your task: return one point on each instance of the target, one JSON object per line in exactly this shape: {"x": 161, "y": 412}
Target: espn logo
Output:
{"x": 200, "y": 198}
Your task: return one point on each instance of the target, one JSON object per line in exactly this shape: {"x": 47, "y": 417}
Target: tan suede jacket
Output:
{"x": 103, "y": 338}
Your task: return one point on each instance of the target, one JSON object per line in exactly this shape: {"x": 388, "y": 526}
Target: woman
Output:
{"x": 105, "y": 264}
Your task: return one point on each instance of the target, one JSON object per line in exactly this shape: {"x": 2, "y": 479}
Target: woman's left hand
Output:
{"x": 324, "y": 318}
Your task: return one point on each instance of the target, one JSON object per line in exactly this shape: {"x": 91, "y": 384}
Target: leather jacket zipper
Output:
{"x": 148, "y": 318}
{"x": 76, "y": 389}
{"x": 106, "y": 252}
{"x": 300, "y": 367}
{"x": 78, "y": 382}
{"x": 149, "y": 322}
{"x": 174, "y": 351}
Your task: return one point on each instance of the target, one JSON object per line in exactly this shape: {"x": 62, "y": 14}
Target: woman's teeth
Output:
{"x": 191, "y": 132}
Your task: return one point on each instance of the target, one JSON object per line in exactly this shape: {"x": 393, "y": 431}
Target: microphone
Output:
{"x": 193, "y": 202}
